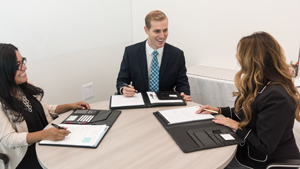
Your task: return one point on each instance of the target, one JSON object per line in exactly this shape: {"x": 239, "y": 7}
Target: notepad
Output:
{"x": 80, "y": 136}
{"x": 122, "y": 101}
{"x": 183, "y": 115}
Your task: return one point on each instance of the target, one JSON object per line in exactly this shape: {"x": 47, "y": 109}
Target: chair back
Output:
{"x": 296, "y": 131}
{"x": 288, "y": 163}
{"x": 3, "y": 161}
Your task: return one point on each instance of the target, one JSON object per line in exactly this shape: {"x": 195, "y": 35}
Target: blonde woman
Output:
{"x": 267, "y": 104}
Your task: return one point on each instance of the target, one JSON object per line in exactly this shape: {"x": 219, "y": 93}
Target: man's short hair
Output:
{"x": 155, "y": 15}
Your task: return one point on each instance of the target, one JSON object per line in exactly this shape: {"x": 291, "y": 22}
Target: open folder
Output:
{"x": 80, "y": 136}
{"x": 87, "y": 128}
{"x": 148, "y": 99}
{"x": 197, "y": 134}
{"x": 183, "y": 115}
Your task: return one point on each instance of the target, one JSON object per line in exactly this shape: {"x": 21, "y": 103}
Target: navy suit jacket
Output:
{"x": 172, "y": 72}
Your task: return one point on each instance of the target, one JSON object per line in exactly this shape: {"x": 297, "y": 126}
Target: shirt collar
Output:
{"x": 150, "y": 50}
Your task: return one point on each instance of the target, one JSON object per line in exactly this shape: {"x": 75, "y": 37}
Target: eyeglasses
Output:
{"x": 20, "y": 65}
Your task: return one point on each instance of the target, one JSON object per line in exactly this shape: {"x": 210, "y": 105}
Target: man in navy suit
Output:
{"x": 137, "y": 62}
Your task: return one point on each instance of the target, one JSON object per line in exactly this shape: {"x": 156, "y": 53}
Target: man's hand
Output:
{"x": 186, "y": 97}
{"x": 128, "y": 91}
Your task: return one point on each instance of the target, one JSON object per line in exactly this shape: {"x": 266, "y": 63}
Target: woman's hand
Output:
{"x": 52, "y": 134}
{"x": 67, "y": 107}
{"x": 226, "y": 121}
{"x": 80, "y": 105}
{"x": 55, "y": 134}
{"x": 202, "y": 109}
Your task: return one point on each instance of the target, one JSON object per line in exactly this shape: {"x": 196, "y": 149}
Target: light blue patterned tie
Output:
{"x": 154, "y": 75}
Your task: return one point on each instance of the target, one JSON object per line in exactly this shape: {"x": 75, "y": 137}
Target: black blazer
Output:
{"x": 172, "y": 72}
{"x": 269, "y": 134}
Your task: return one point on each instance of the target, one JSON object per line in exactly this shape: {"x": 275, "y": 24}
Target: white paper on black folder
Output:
{"x": 183, "y": 115}
{"x": 81, "y": 136}
{"x": 122, "y": 101}
{"x": 154, "y": 99}
{"x": 143, "y": 100}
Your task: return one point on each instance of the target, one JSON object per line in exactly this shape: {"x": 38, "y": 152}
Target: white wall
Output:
{"x": 44, "y": 29}
{"x": 69, "y": 43}
{"x": 208, "y": 31}
{"x": 62, "y": 77}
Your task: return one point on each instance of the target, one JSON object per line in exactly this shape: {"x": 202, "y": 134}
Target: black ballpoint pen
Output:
{"x": 152, "y": 96}
{"x": 58, "y": 127}
{"x": 128, "y": 86}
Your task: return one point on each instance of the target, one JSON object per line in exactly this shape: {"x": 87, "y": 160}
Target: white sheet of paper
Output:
{"x": 297, "y": 81}
{"x": 227, "y": 137}
{"x": 81, "y": 135}
{"x": 154, "y": 99}
{"x": 122, "y": 101}
{"x": 184, "y": 115}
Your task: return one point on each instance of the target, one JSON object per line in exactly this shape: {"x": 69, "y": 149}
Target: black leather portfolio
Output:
{"x": 148, "y": 99}
{"x": 199, "y": 135}
{"x": 87, "y": 128}
{"x": 92, "y": 116}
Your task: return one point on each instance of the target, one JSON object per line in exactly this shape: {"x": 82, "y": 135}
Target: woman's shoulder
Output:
{"x": 274, "y": 98}
{"x": 275, "y": 92}
{"x": 276, "y": 89}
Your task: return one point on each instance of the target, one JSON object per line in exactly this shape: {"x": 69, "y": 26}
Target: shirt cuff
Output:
{"x": 225, "y": 111}
{"x": 121, "y": 89}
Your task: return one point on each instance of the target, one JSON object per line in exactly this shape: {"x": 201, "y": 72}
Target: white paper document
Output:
{"x": 154, "y": 99}
{"x": 297, "y": 81}
{"x": 184, "y": 115}
{"x": 122, "y": 101}
{"x": 81, "y": 135}
{"x": 227, "y": 137}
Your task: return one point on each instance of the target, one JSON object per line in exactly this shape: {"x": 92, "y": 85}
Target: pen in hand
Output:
{"x": 128, "y": 86}
{"x": 58, "y": 127}
{"x": 212, "y": 111}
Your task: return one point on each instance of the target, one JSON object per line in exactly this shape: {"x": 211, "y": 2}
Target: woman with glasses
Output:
{"x": 23, "y": 114}
{"x": 266, "y": 106}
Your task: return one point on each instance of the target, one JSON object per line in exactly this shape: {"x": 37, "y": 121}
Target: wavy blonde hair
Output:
{"x": 262, "y": 60}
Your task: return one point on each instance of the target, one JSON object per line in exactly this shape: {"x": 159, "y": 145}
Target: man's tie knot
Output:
{"x": 155, "y": 53}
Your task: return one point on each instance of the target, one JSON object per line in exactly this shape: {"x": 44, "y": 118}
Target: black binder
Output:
{"x": 162, "y": 95}
{"x": 97, "y": 117}
{"x": 198, "y": 135}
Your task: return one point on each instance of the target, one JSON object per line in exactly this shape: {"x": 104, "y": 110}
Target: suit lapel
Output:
{"x": 164, "y": 61}
{"x": 143, "y": 63}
